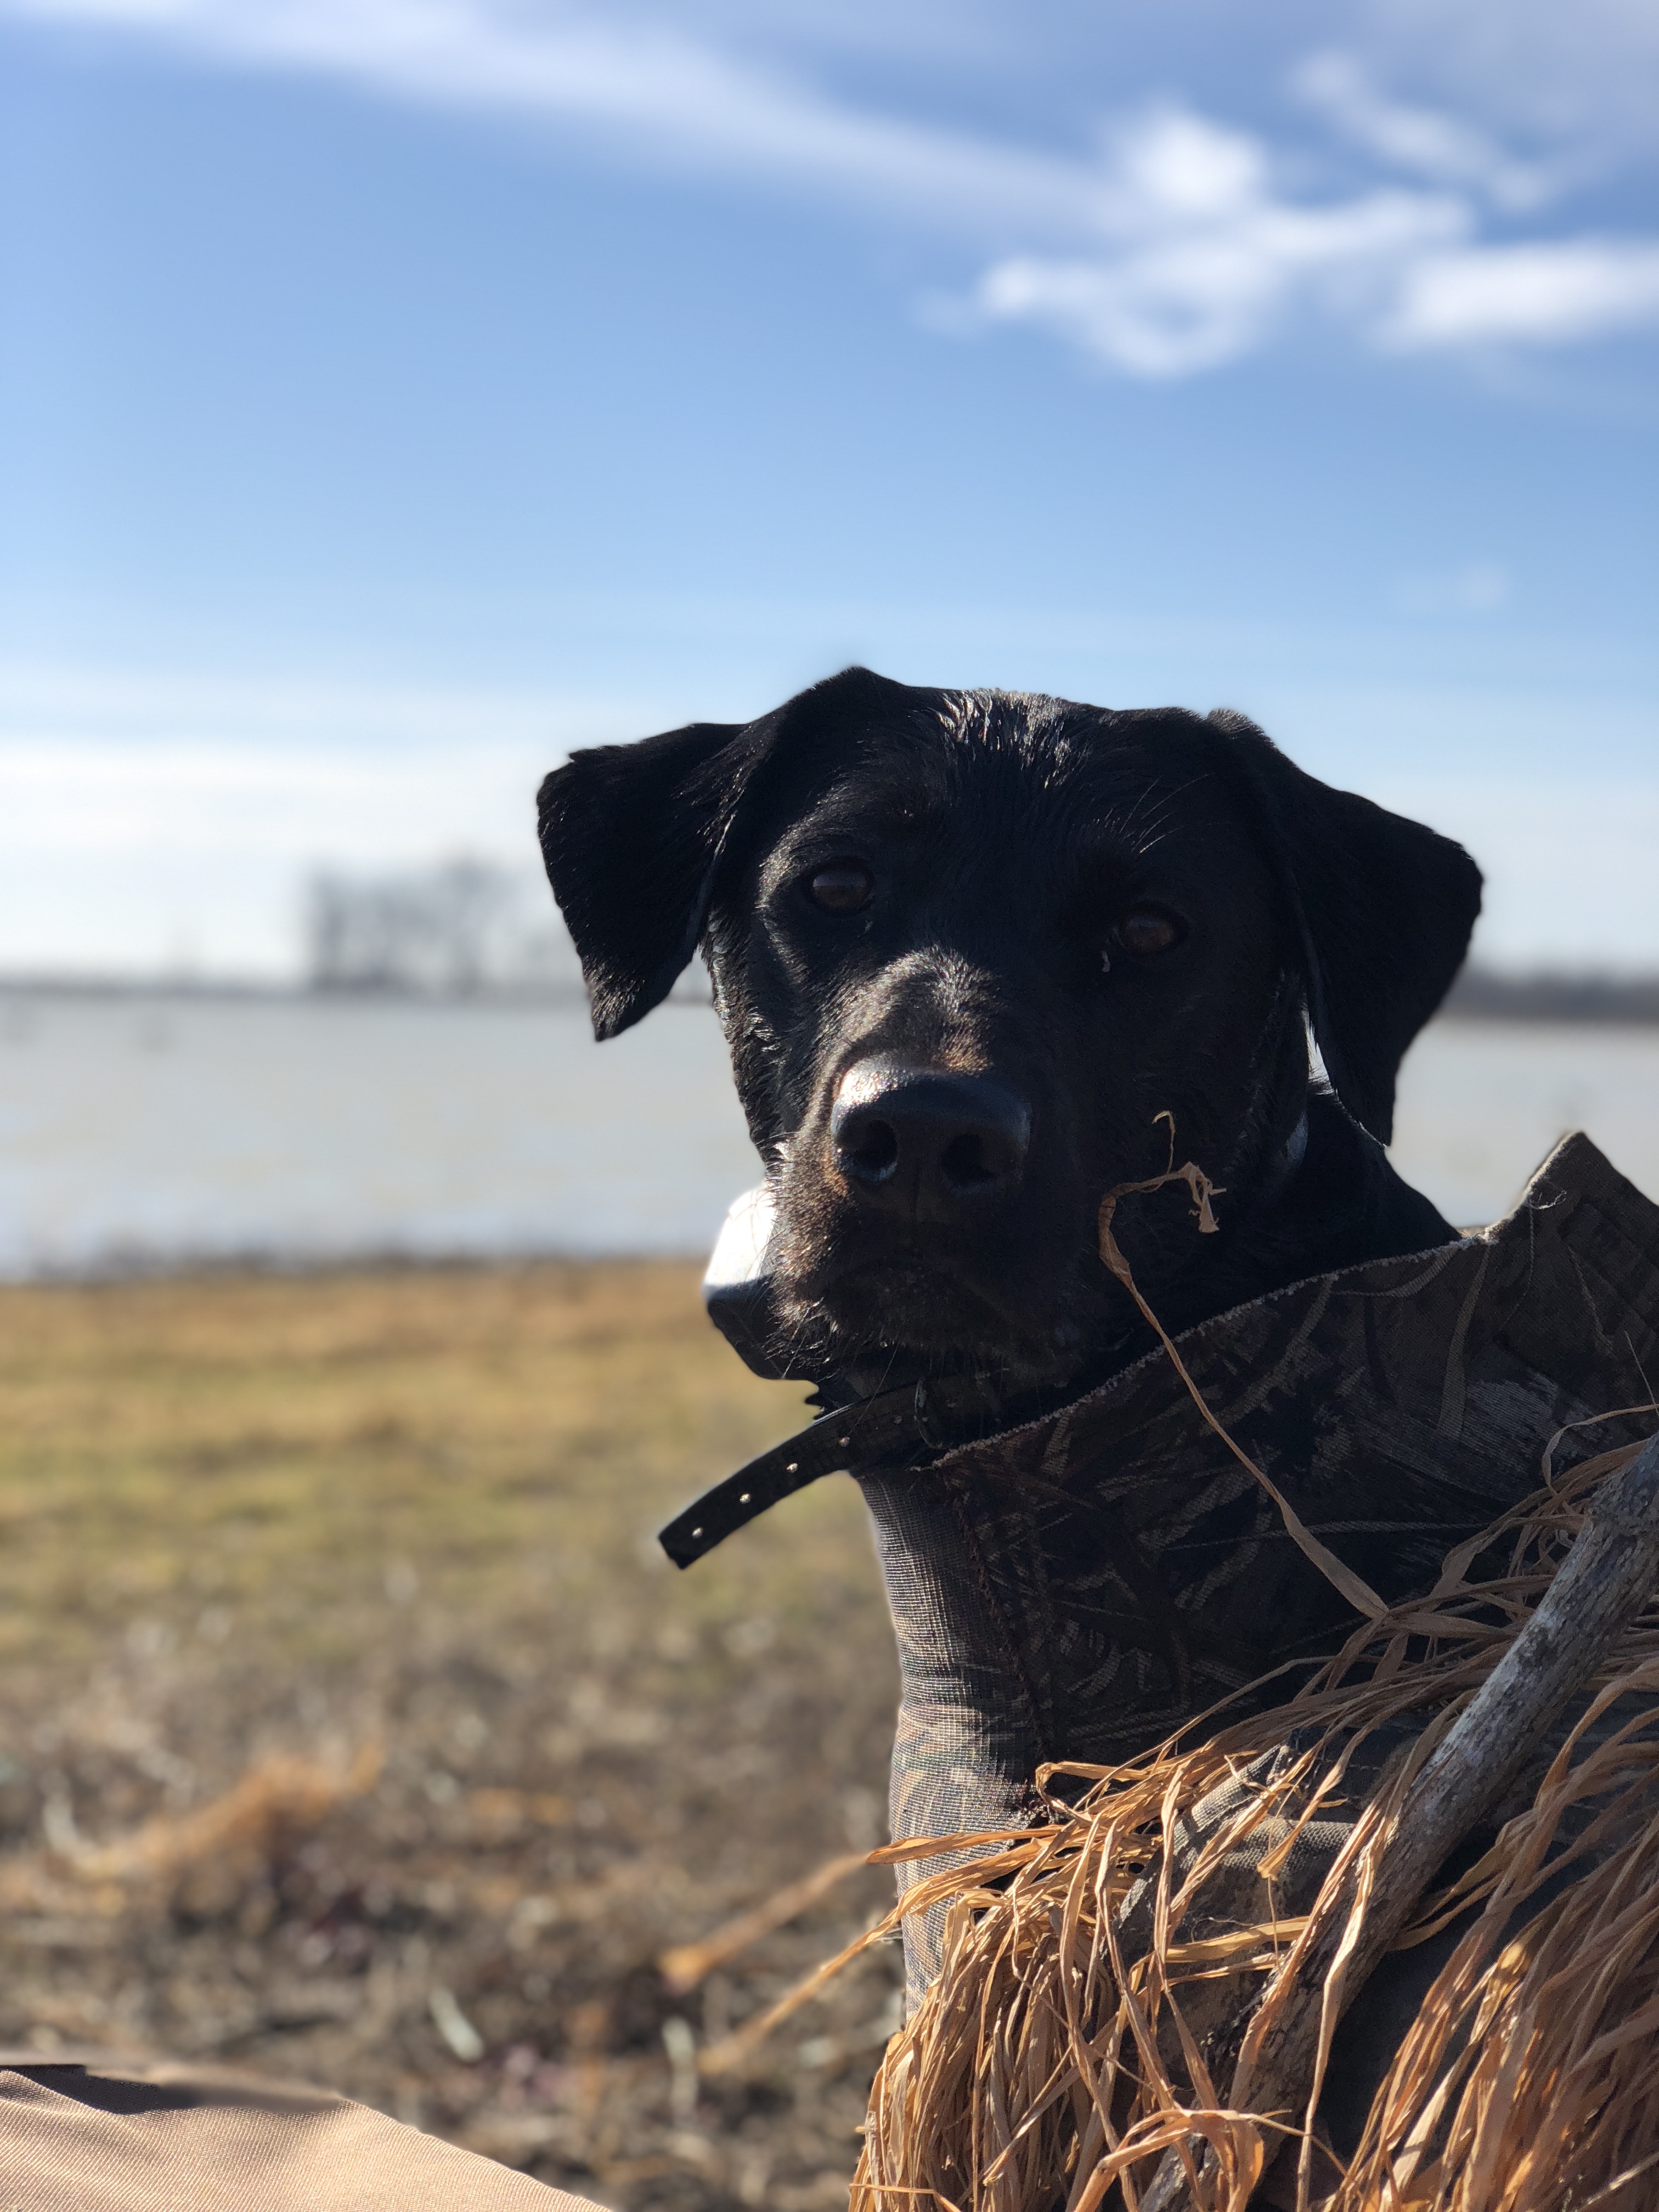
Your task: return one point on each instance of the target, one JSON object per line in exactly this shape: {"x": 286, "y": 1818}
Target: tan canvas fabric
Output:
{"x": 108, "y": 2136}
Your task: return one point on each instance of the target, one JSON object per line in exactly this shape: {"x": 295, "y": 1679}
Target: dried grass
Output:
{"x": 1102, "y": 1994}
{"x": 200, "y": 1859}
{"x": 279, "y": 1798}
{"x": 254, "y": 1519}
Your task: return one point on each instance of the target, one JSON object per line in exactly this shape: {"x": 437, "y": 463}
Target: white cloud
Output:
{"x": 1208, "y": 255}
{"x": 1555, "y": 292}
{"x": 47, "y": 699}
{"x": 1176, "y": 248}
{"x": 174, "y": 802}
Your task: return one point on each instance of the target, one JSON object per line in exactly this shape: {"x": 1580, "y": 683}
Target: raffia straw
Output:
{"x": 1048, "y": 2066}
{"x": 1358, "y": 1592}
{"x": 1052, "y": 2064}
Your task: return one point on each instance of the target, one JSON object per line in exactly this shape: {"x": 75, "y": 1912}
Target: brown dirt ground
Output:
{"x": 354, "y": 1728}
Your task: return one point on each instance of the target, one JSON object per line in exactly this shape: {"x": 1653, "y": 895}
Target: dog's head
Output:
{"x": 966, "y": 948}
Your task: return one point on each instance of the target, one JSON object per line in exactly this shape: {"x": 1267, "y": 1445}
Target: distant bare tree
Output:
{"x": 457, "y": 927}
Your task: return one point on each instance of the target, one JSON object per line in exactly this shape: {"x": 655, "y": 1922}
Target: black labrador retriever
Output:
{"x": 974, "y": 952}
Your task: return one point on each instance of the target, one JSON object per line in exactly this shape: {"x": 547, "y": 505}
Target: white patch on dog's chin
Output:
{"x": 739, "y": 1253}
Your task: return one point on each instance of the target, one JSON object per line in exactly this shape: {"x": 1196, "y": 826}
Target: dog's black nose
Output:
{"x": 923, "y": 1140}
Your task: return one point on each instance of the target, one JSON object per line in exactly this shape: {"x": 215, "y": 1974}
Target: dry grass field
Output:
{"x": 354, "y": 1728}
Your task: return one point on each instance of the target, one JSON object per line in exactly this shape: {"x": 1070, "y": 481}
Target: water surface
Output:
{"x": 146, "y": 1130}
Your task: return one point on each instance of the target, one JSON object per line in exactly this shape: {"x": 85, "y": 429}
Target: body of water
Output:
{"x": 146, "y": 1130}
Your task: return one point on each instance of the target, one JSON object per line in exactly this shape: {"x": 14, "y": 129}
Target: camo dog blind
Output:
{"x": 1079, "y": 1588}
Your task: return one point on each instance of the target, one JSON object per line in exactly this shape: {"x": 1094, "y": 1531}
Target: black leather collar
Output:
{"x": 905, "y": 1427}
{"x": 908, "y": 1426}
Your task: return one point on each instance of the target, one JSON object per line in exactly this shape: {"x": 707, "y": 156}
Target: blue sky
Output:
{"x": 397, "y": 392}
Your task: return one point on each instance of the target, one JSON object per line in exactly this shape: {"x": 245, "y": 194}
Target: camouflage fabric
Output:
{"x": 1080, "y": 1587}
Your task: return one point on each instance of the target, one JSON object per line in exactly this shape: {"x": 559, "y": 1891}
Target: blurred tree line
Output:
{"x": 461, "y": 927}
{"x": 456, "y": 928}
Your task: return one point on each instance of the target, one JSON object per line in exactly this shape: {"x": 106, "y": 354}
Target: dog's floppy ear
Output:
{"x": 1381, "y": 907}
{"x": 632, "y": 836}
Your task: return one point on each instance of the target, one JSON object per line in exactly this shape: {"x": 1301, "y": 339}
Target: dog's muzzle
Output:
{"x": 926, "y": 1143}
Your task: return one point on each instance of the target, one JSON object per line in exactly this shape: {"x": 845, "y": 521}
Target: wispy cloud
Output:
{"x": 1425, "y": 140}
{"x": 668, "y": 93}
{"x": 40, "y": 700}
{"x": 1175, "y": 247}
{"x": 1584, "y": 77}
{"x": 127, "y": 760}
{"x": 146, "y": 816}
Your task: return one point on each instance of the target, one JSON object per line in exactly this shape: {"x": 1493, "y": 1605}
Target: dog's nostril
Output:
{"x": 873, "y": 1153}
{"x": 964, "y": 1167}
{"x": 928, "y": 1142}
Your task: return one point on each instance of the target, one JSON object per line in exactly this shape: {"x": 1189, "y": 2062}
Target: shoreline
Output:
{"x": 1543, "y": 999}
{"x": 183, "y": 1268}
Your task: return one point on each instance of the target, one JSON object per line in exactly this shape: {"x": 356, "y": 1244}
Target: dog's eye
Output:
{"x": 1147, "y": 931}
{"x": 842, "y": 887}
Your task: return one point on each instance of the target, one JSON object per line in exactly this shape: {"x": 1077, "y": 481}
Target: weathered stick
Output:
{"x": 686, "y": 1965}
{"x": 1610, "y": 1571}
